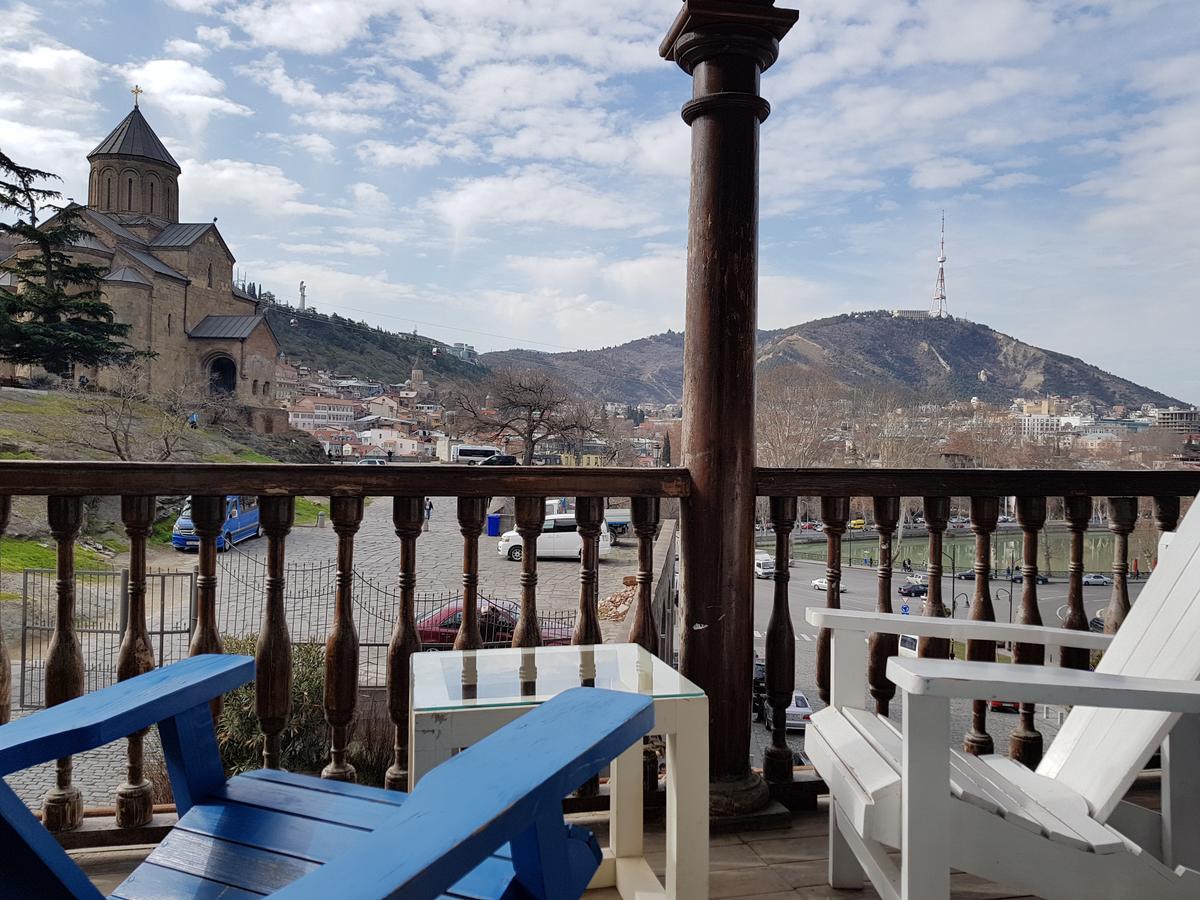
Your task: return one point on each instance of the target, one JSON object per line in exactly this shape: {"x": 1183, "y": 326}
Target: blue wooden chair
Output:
{"x": 487, "y": 823}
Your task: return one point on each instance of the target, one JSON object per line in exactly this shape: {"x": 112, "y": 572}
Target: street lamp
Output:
{"x": 952, "y": 553}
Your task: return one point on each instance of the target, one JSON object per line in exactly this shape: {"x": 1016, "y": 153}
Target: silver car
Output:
{"x": 796, "y": 715}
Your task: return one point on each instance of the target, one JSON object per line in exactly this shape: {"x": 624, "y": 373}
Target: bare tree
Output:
{"x": 798, "y": 413}
{"x": 532, "y": 406}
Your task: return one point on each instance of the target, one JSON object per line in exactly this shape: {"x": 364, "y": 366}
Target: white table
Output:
{"x": 461, "y": 697}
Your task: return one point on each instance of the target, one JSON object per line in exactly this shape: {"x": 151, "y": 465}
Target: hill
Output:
{"x": 337, "y": 344}
{"x": 935, "y": 359}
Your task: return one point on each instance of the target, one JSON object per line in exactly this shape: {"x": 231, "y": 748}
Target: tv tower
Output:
{"x": 937, "y": 309}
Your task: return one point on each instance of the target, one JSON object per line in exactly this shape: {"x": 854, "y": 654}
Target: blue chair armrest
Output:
{"x": 501, "y": 789}
{"x": 114, "y": 712}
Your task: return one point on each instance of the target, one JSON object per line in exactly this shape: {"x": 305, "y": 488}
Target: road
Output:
{"x": 861, "y": 591}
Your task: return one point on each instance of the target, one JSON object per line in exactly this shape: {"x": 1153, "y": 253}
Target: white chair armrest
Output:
{"x": 1041, "y": 684}
{"x": 955, "y": 629}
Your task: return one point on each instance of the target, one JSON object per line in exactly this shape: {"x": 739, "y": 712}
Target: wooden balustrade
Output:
{"x": 589, "y": 519}
{"x": 208, "y": 518}
{"x": 644, "y": 631}
{"x": 781, "y": 646}
{"x": 273, "y": 655}
{"x": 985, "y": 511}
{"x": 1025, "y": 745}
{"x": 1078, "y": 512}
{"x": 835, "y": 512}
{"x": 882, "y": 646}
{"x": 1122, "y": 517}
{"x": 937, "y": 517}
{"x": 408, "y": 519}
{"x": 341, "y": 647}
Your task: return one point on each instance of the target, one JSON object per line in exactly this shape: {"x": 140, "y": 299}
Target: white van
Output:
{"x": 559, "y": 540}
{"x": 472, "y": 454}
{"x": 908, "y": 645}
{"x": 764, "y": 566}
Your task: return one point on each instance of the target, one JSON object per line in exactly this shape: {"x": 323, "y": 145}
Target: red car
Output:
{"x": 496, "y": 625}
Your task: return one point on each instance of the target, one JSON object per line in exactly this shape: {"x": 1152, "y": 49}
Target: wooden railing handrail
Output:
{"x": 69, "y": 478}
{"x": 833, "y": 482}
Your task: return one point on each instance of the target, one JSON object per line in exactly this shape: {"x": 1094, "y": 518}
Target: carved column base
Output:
{"x": 738, "y": 796}
{"x": 1025, "y": 746}
{"x": 978, "y": 743}
{"x": 135, "y": 804}
{"x": 777, "y": 765}
{"x": 396, "y": 779}
{"x": 62, "y": 809}
{"x": 343, "y": 772}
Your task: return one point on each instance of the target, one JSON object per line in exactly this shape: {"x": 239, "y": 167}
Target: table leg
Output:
{"x": 625, "y": 803}
{"x": 687, "y": 802}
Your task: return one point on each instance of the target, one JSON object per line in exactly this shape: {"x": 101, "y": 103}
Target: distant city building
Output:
{"x": 309, "y": 413}
{"x": 1180, "y": 421}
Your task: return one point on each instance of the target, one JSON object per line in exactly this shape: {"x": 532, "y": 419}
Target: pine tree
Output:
{"x": 666, "y": 449}
{"x": 55, "y": 315}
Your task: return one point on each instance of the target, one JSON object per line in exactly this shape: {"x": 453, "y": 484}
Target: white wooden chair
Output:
{"x": 1063, "y": 831}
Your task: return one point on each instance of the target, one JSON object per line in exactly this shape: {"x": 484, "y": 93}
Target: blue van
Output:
{"x": 241, "y": 522}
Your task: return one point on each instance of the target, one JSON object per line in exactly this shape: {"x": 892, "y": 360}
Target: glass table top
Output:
{"x": 481, "y": 679}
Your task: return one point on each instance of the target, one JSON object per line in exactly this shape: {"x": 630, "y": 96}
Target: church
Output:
{"x": 171, "y": 281}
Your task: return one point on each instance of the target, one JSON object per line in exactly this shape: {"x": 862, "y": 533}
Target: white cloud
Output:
{"x": 240, "y": 185}
{"x": 195, "y": 6}
{"x": 187, "y": 92}
{"x": 1011, "y": 180}
{"x": 215, "y": 37}
{"x": 350, "y": 248}
{"x": 369, "y": 200}
{"x": 185, "y": 48}
{"x": 947, "y": 172}
{"x": 319, "y": 147}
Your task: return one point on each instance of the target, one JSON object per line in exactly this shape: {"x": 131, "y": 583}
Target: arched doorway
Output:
{"x": 222, "y": 375}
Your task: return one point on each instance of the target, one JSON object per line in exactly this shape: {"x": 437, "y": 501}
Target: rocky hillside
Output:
{"x": 936, "y": 359}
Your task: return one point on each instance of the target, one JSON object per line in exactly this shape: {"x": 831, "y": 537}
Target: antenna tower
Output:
{"x": 937, "y": 309}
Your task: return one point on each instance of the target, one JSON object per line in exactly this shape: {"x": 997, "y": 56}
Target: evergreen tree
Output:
{"x": 54, "y": 316}
{"x": 666, "y": 449}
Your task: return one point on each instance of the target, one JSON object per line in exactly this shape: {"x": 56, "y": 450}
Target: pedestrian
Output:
{"x": 194, "y": 420}
{"x": 428, "y": 509}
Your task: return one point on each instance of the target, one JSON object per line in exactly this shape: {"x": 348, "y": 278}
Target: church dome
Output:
{"x": 134, "y": 137}
{"x": 133, "y": 174}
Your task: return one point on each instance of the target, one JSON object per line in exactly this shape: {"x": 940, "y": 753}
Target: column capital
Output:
{"x": 705, "y": 28}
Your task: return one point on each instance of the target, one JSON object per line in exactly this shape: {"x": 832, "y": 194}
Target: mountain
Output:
{"x": 934, "y": 359}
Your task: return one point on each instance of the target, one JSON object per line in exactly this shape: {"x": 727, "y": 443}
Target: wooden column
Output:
{"x": 1166, "y": 516}
{"x": 589, "y": 517}
{"x": 1122, "y": 517}
{"x": 644, "y": 631}
{"x": 835, "y": 511}
{"x": 724, "y": 45}
{"x": 1025, "y": 745}
{"x": 208, "y": 518}
{"x": 530, "y": 518}
{"x": 1078, "y": 511}
{"x": 408, "y": 518}
{"x": 471, "y": 513}
{"x": 985, "y": 512}
{"x": 135, "y": 798}
{"x": 341, "y": 647}
{"x": 273, "y": 656}
{"x": 781, "y": 647}
{"x": 62, "y": 808}
{"x": 882, "y": 646}
{"x": 5, "y": 663}
{"x": 937, "y": 516}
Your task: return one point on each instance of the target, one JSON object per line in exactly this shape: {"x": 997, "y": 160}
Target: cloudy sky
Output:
{"x": 515, "y": 173}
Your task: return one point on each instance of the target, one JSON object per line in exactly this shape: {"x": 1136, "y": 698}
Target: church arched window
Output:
{"x": 168, "y": 323}
{"x": 266, "y": 389}
{"x": 129, "y": 194}
{"x": 210, "y": 274}
{"x": 152, "y": 198}
{"x": 254, "y": 387}
{"x": 108, "y": 194}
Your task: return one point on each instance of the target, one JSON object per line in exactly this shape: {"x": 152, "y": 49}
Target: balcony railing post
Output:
{"x": 882, "y": 646}
{"x": 530, "y": 515}
{"x": 835, "y": 512}
{"x": 62, "y": 808}
{"x": 1025, "y": 745}
{"x": 1122, "y": 517}
{"x": 724, "y": 47}
{"x": 781, "y": 647}
{"x": 408, "y": 518}
{"x": 985, "y": 512}
{"x": 471, "y": 513}
{"x": 135, "y": 798}
{"x": 208, "y": 518}
{"x": 1078, "y": 511}
{"x": 1166, "y": 514}
{"x": 341, "y": 647}
{"x": 5, "y": 664}
{"x": 589, "y": 517}
{"x": 644, "y": 631}
{"x": 273, "y": 655}
{"x": 937, "y": 516}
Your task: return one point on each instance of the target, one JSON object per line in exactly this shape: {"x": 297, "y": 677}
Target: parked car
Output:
{"x": 1005, "y": 519}
{"x": 914, "y": 590}
{"x": 821, "y": 584}
{"x": 758, "y": 694}
{"x": 559, "y": 540}
{"x": 1095, "y": 578}
{"x": 500, "y": 459}
{"x": 241, "y": 523}
{"x": 796, "y": 715}
{"x": 966, "y": 575}
{"x": 496, "y": 625}
{"x": 372, "y": 461}
{"x": 810, "y": 526}
{"x": 917, "y": 579}
{"x": 919, "y": 520}
{"x": 857, "y": 524}
{"x": 1019, "y": 578}
{"x": 908, "y": 646}
{"x": 1005, "y": 705}
{"x": 1096, "y": 624}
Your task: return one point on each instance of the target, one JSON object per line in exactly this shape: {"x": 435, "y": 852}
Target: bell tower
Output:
{"x": 132, "y": 174}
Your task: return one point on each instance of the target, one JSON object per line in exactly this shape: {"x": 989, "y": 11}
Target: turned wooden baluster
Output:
{"x": 835, "y": 511}
{"x": 781, "y": 647}
{"x": 1025, "y": 745}
{"x": 135, "y": 798}
{"x": 881, "y": 646}
{"x": 273, "y": 656}
{"x": 1078, "y": 512}
{"x": 644, "y": 631}
{"x": 341, "y": 647}
{"x": 5, "y": 664}
{"x": 208, "y": 518}
{"x": 1166, "y": 516}
{"x": 985, "y": 512}
{"x": 408, "y": 518}
{"x": 1122, "y": 517}
{"x": 937, "y": 516}
{"x": 62, "y": 808}
{"x": 589, "y": 517}
{"x": 471, "y": 512}
{"x": 530, "y": 518}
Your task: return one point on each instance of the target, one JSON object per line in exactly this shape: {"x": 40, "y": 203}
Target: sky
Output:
{"x": 516, "y": 173}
